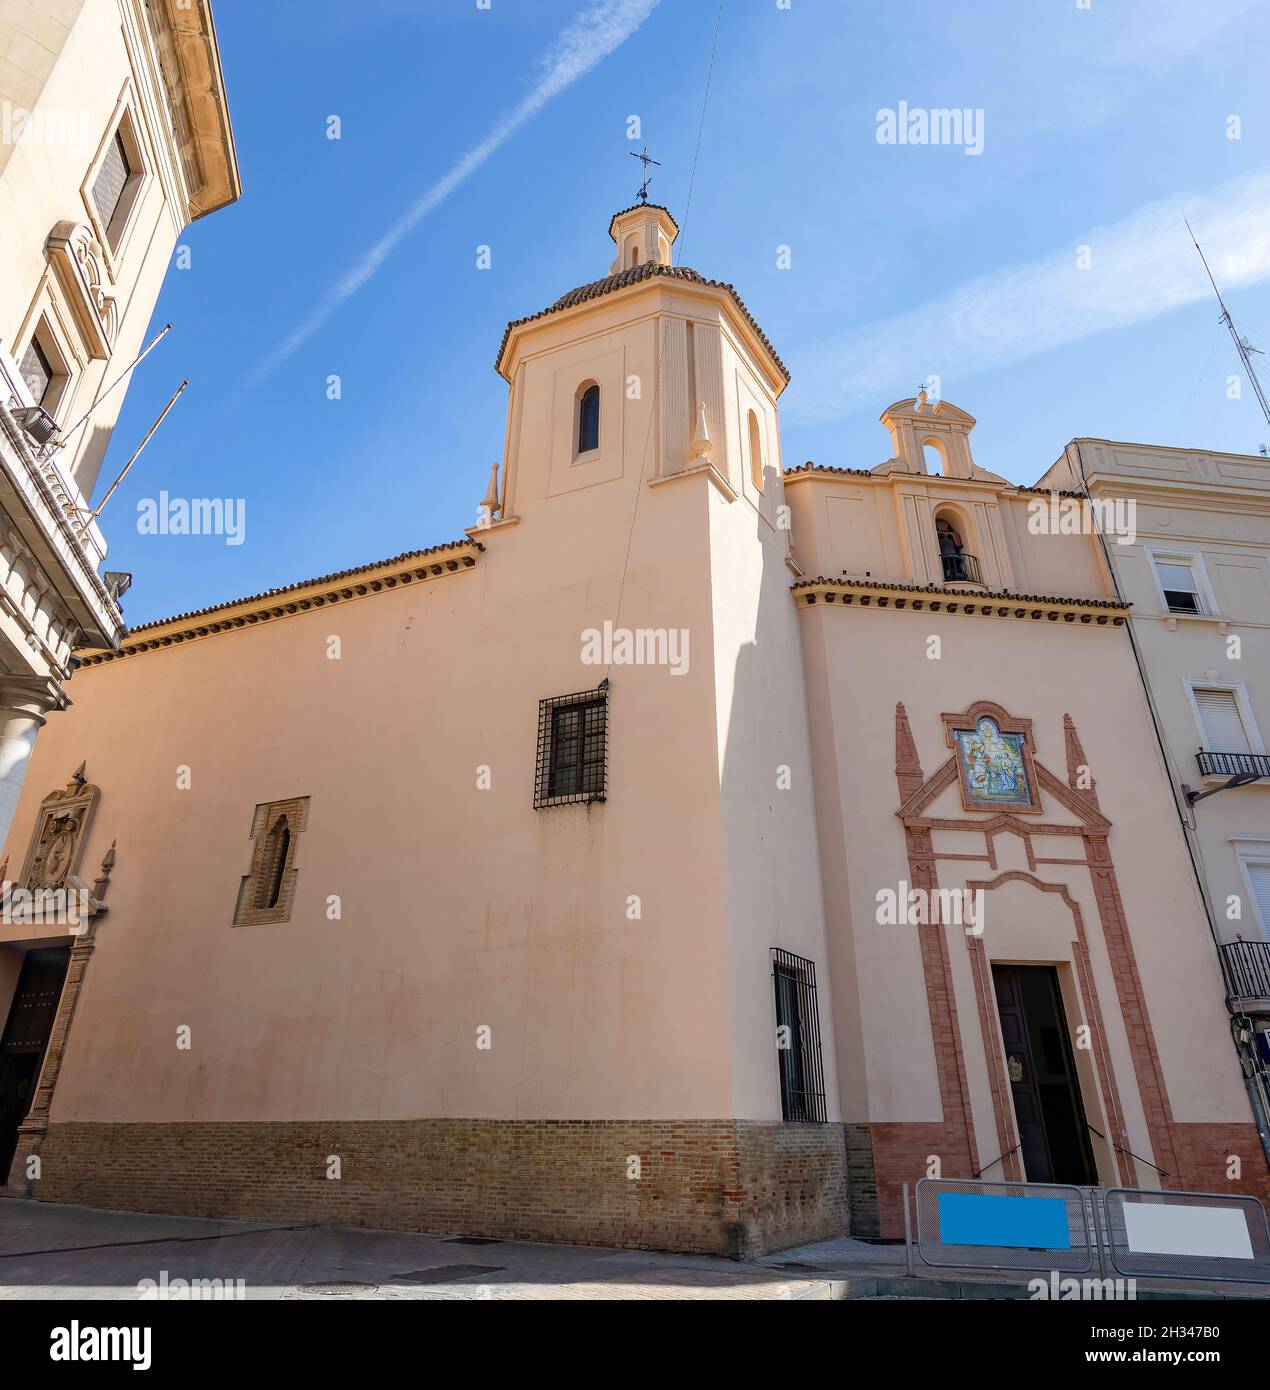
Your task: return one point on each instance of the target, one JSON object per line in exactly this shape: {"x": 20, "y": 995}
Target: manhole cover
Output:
{"x": 444, "y": 1274}
{"x": 473, "y": 1240}
{"x": 337, "y": 1289}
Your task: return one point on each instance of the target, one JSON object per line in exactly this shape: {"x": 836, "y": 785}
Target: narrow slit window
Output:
{"x": 589, "y": 419}
{"x": 266, "y": 892}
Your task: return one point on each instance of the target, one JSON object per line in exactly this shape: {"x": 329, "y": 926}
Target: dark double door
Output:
{"x": 25, "y": 1040}
{"x": 1053, "y": 1133}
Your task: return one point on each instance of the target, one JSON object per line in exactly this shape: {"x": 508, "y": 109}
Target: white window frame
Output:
{"x": 1240, "y": 692}
{"x": 62, "y": 385}
{"x": 1194, "y": 561}
{"x": 1252, "y": 850}
{"x": 125, "y": 121}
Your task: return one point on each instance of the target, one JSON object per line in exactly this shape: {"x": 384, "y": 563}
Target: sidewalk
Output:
{"x": 50, "y": 1251}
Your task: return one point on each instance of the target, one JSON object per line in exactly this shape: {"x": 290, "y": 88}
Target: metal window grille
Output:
{"x": 37, "y": 371}
{"x": 572, "y": 748}
{"x": 798, "y": 1038}
{"x": 111, "y": 180}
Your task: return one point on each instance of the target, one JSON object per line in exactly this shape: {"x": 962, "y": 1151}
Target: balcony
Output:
{"x": 1245, "y": 766}
{"x": 44, "y": 506}
{"x": 1247, "y": 965}
{"x": 961, "y": 569}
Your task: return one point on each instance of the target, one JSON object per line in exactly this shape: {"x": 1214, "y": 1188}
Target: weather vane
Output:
{"x": 646, "y": 159}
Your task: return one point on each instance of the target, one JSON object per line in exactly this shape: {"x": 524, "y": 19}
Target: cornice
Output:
{"x": 381, "y": 576}
{"x": 935, "y": 598}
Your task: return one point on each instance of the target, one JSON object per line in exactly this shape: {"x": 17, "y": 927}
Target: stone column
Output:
{"x": 24, "y": 703}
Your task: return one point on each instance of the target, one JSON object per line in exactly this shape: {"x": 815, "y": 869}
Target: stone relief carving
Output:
{"x": 58, "y": 840}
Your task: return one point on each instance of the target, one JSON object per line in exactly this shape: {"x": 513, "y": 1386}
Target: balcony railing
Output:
{"x": 1248, "y": 968}
{"x": 1233, "y": 764}
{"x": 961, "y": 569}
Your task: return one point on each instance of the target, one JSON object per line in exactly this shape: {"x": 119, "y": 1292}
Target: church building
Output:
{"x": 685, "y": 857}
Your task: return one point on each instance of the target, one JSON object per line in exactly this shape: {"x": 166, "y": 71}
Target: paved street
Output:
{"x": 50, "y": 1251}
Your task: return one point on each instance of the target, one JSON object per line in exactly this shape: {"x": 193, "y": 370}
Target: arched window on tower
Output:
{"x": 756, "y": 451}
{"x": 959, "y": 566}
{"x": 588, "y": 418}
{"x": 274, "y": 865}
{"x": 634, "y": 260}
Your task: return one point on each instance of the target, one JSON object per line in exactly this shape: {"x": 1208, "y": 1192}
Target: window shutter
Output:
{"x": 1259, "y": 877}
{"x": 1224, "y": 730}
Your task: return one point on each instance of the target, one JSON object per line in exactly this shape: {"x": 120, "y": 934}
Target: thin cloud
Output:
{"x": 1140, "y": 267}
{"x": 584, "y": 42}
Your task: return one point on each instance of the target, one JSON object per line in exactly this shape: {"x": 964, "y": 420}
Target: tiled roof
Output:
{"x": 632, "y": 276}
{"x": 810, "y": 467}
{"x": 305, "y": 583}
{"x": 635, "y": 206}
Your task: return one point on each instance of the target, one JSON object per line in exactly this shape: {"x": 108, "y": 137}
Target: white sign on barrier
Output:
{"x": 1151, "y": 1228}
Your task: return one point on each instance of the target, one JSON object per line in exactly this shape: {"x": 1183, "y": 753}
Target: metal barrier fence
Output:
{"x": 964, "y": 1223}
{"x": 1192, "y": 1235}
{"x": 967, "y": 1224}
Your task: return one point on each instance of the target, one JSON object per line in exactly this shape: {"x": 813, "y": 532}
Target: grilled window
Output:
{"x": 111, "y": 181}
{"x": 37, "y": 371}
{"x": 798, "y": 1038}
{"x": 572, "y": 748}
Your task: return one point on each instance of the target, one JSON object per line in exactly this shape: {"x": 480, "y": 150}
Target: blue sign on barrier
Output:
{"x": 1033, "y": 1223}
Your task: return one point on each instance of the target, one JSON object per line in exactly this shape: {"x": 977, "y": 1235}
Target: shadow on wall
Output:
{"x": 794, "y": 1171}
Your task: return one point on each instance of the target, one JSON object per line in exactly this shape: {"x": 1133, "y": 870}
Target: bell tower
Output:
{"x": 645, "y": 232}
{"x": 652, "y": 372}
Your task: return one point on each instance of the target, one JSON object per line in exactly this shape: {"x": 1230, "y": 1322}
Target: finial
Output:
{"x": 489, "y": 503}
{"x": 702, "y": 447}
{"x": 646, "y": 159}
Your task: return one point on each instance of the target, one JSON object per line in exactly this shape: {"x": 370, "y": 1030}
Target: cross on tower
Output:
{"x": 646, "y": 159}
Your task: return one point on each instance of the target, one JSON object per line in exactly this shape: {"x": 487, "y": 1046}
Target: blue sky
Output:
{"x": 507, "y": 127}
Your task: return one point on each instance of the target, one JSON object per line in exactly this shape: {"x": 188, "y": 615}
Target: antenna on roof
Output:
{"x": 1242, "y": 346}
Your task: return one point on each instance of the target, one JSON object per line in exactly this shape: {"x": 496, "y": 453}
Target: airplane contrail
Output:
{"x": 584, "y": 42}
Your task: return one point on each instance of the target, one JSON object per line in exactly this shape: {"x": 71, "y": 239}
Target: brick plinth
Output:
{"x": 719, "y": 1187}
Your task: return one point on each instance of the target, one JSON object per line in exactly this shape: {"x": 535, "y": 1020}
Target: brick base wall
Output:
{"x": 1204, "y": 1152}
{"x": 882, "y": 1157}
{"x": 719, "y": 1187}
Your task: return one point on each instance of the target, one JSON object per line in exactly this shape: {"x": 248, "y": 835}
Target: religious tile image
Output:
{"x": 992, "y": 768}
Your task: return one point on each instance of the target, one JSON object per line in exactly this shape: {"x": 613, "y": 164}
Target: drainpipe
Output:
{"x": 1254, "y": 1083}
